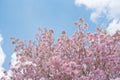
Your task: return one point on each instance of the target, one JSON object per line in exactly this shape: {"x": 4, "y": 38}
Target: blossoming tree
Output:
{"x": 84, "y": 56}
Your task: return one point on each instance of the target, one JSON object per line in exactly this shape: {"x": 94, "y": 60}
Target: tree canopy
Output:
{"x": 84, "y": 56}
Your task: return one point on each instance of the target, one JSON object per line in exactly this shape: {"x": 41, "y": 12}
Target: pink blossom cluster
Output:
{"x": 84, "y": 56}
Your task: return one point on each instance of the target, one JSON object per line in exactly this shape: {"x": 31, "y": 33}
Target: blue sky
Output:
{"x": 21, "y": 18}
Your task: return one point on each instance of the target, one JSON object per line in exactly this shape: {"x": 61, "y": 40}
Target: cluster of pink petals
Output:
{"x": 84, "y": 56}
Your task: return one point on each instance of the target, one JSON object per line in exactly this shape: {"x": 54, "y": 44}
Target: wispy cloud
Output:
{"x": 2, "y": 56}
{"x": 110, "y": 8}
{"x": 113, "y": 26}
{"x": 13, "y": 60}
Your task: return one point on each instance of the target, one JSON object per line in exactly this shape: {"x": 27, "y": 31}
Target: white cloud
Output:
{"x": 113, "y": 26}
{"x": 108, "y": 7}
{"x": 14, "y": 59}
{"x": 2, "y": 56}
